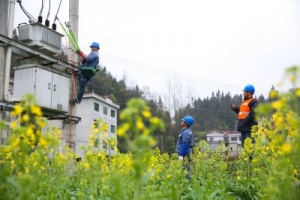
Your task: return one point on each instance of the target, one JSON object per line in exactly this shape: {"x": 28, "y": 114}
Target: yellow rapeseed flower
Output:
{"x": 122, "y": 130}
{"x": 86, "y": 165}
{"x": 41, "y": 123}
{"x": 43, "y": 142}
{"x": 29, "y": 131}
{"x": 17, "y": 110}
{"x": 155, "y": 121}
{"x": 273, "y": 94}
{"x": 277, "y": 104}
{"x": 25, "y": 118}
{"x": 295, "y": 172}
{"x": 147, "y": 114}
{"x": 140, "y": 125}
{"x": 286, "y": 148}
{"x": 36, "y": 110}
{"x": 278, "y": 119}
{"x": 105, "y": 126}
{"x": 8, "y": 155}
{"x": 297, "y": 92}
{"x": 13, "y": 125}
{"x": 122, "y": 116}
{"x": 146, "y": 132}
{"x": 152, "y": 142}
{"x": 42, "y": 167}
{"x": 15, "y": 142}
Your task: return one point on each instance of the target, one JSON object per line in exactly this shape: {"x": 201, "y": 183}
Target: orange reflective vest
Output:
{"x": 244, "y": 109}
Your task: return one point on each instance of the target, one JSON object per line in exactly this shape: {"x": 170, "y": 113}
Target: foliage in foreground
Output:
{"x": 31, "y": 168}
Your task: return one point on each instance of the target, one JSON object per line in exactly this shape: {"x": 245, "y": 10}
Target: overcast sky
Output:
{"x": 208, "y": 45}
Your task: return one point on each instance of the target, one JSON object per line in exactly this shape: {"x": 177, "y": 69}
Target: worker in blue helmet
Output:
{"x": 87, "y": 69}
{"x": 185, "y": 142}
{"x": 185, "y": 139}
{"x": 246, "y": 113}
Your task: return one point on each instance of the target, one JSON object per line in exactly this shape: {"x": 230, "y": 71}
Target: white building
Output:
{"x": 91, "y": 108}
{"x": 233, "y": 141}
{"x": 214, "y": 138}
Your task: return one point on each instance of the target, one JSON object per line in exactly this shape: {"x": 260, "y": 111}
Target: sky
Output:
{"x": 205, "y": 45}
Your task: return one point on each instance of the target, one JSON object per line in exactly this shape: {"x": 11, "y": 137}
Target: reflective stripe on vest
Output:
{"x": 244, "y": 109}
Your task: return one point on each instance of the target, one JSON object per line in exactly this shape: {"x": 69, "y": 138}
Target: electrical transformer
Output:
{"x": 40, "y": 37}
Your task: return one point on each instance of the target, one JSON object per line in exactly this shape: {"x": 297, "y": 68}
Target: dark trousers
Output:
{"x": 82, "y": 84}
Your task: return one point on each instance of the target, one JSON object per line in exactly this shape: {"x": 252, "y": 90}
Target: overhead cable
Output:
{"x": 125, "y": 63}
{"x": 40, "y": 18}
{"x": 30, "y": 17}
{"x": 55, "y": 17}
{"x": 57, "y": 11}
{"x": 47, "y": 23}
{"x": 42, "y": 8}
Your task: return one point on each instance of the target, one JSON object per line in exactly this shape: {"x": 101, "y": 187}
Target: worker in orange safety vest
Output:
{"x": 246, "y": 115}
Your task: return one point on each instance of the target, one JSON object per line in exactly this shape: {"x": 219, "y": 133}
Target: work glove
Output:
{"x": 232, "y": 106}
{"x": 180, "y": 158}
{"x": 82, "y": 55}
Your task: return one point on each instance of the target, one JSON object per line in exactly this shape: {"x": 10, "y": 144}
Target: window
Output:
{"x": 96, "y": 107}
{"x": 112, "y": 113}
{"x": 233, "y": 139}
{"x": 211, "y": 139}
{"x": 104, "y": 110}
{"x": 112, "y": 129}
{"x": 112, "y": 147}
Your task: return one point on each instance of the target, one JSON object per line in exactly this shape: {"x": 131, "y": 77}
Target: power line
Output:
{"x": 129, "y": 64}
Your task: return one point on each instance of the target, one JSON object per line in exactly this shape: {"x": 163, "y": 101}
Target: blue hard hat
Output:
{"x": 189, "y": 120}
{"x": 95, "y": 44}
{"x": 249, "y": 88}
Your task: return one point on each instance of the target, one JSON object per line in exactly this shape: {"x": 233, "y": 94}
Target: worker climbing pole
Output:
{"x": 87, "y": 70}
{"x": 89, "y": 62}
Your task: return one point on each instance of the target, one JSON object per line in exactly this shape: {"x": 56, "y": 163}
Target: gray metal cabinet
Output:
{"x": 50, "y": 89}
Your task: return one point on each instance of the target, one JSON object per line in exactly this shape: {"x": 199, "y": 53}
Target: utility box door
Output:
{"x": 43, "y": 86}
{"x": 24, "y": 82}
{"x": 60, "y": 92}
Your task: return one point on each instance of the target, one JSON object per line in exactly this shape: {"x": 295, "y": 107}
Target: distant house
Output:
{"x": 214, "y": 138}
{"x": 91, "y": 108}
{"x": 233, "y": 141}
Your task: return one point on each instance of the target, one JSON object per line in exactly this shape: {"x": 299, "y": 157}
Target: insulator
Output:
{"x": 47, "y": 23}
{"x": 40, "y": 19}
{"x": 54, "y": 26}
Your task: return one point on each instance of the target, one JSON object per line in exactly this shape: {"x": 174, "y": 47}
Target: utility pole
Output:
{"x": 9, "y": 48}
{"x": 3, "y": 31}
{"x": 73, "y": 22}
{"x": 73, "y": 58}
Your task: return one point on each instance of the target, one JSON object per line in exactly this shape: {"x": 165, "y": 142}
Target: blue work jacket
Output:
{"x": 91, "y": 60}
{"x": 185, "y": 142}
